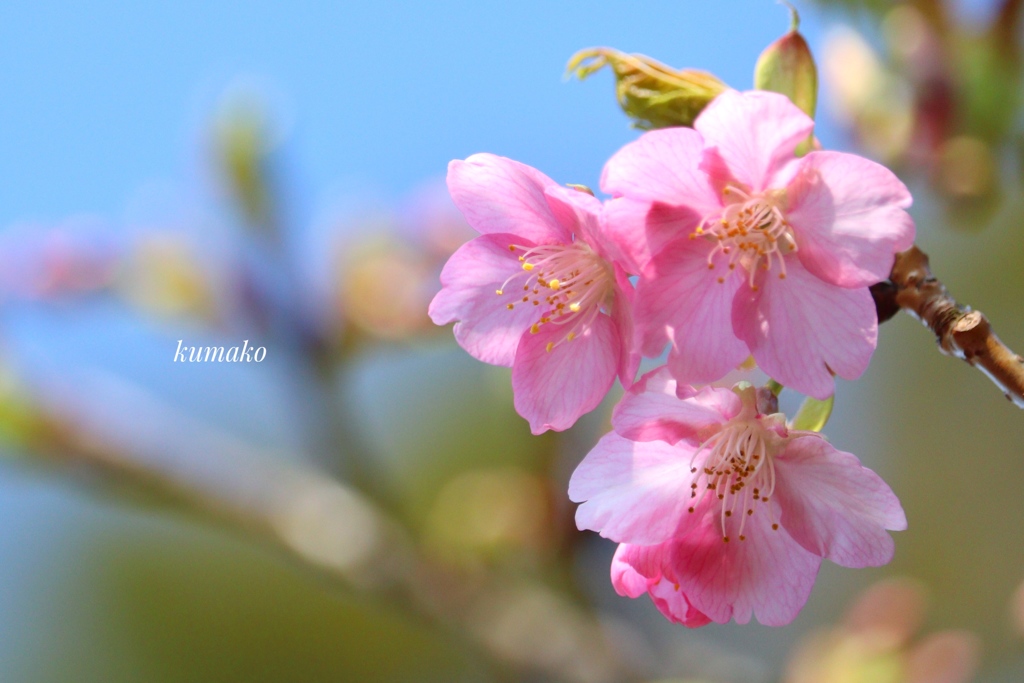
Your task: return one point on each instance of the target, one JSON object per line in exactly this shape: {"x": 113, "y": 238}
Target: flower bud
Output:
{"x": 651, "y": 93}
{"x": 244, "y": 140}
{"x": 787, "y": 66}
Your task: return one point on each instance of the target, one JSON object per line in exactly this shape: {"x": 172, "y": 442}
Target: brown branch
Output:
{"x": 319, "y": 523}
{"x": 959, "y": 331}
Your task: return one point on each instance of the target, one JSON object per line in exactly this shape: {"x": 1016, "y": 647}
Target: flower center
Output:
{"x": 569, "y": 282}
{"x": 751, "y": 231}
{"x": 738, "y": 466}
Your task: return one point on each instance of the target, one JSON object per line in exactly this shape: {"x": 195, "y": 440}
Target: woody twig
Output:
{"x": 959, "y": 330}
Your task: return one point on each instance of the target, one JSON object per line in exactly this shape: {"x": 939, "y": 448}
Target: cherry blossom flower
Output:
{"x": 538, "y": 290}
{"x": 724, "y": 512}
{"x": 744, "y": 249}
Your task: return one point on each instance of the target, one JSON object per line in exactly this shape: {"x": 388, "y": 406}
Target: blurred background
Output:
{"x": 364, "y": 504}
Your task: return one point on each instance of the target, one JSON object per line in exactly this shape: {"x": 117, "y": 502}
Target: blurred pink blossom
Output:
{"x": 50, "y": 262}
{"x": 876, "y": 642}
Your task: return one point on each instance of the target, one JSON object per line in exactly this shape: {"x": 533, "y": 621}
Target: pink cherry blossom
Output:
{"x": 744, "y": 249}
{"x": 723, "y": 512}
{"x": 538, "y": 290}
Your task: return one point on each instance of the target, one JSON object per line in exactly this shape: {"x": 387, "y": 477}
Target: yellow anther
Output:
{"x": 499, "y": 292}
{"x": 534, "y": 328}
{"x": 574, "y": 307}
{"x": 570, "y": 336}
{"x": 550, "y": 346}
{"x": 527, "y": 266}
{"x": 509, "y": 306}
{"x": 554, "y": 284}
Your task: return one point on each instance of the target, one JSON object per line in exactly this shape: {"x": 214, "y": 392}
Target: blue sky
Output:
{"x": 103, "y": 98}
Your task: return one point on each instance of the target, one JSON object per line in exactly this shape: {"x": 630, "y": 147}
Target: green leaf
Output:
{"x": 813, "y": 414}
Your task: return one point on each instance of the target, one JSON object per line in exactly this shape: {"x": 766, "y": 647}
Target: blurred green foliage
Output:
{"x": 161, "y": 602}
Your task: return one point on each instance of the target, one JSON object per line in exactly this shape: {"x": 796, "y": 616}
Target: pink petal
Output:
{"x": 672, "y": 602}
{"x": 754, "y": 134}
{"x": 486, "y": 328}
{"x": 553, "y": 388}
{"x": 848, "y": 217}
{"x": 579, "y": 213}
{"x": 626, "y": 580}
{"x": 661, "y": 381}
{"x": 622, "y": 317}
{"x": 662, "y": 166}
{"x": 768, "y": 575}
{"x": 640, "y": 229}
{"x": 499, "y": 195}
{"x": 800, "y": 327}
{"x": 630, "y": 582}
{"x": 679, "y": 299}
{"x": 833, "y": 506}
{"x": 633, "y": 492}
{"x": 652, "y": 411}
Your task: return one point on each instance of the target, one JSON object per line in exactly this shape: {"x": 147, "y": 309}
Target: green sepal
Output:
{"x": 813, "y": 414}
{"x": 652, "y": 94}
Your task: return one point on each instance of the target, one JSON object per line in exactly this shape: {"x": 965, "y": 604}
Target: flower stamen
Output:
{"x": 571, "y": 281}
{"x": 738, "y": 466}
{"x": 751, "y": 230}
